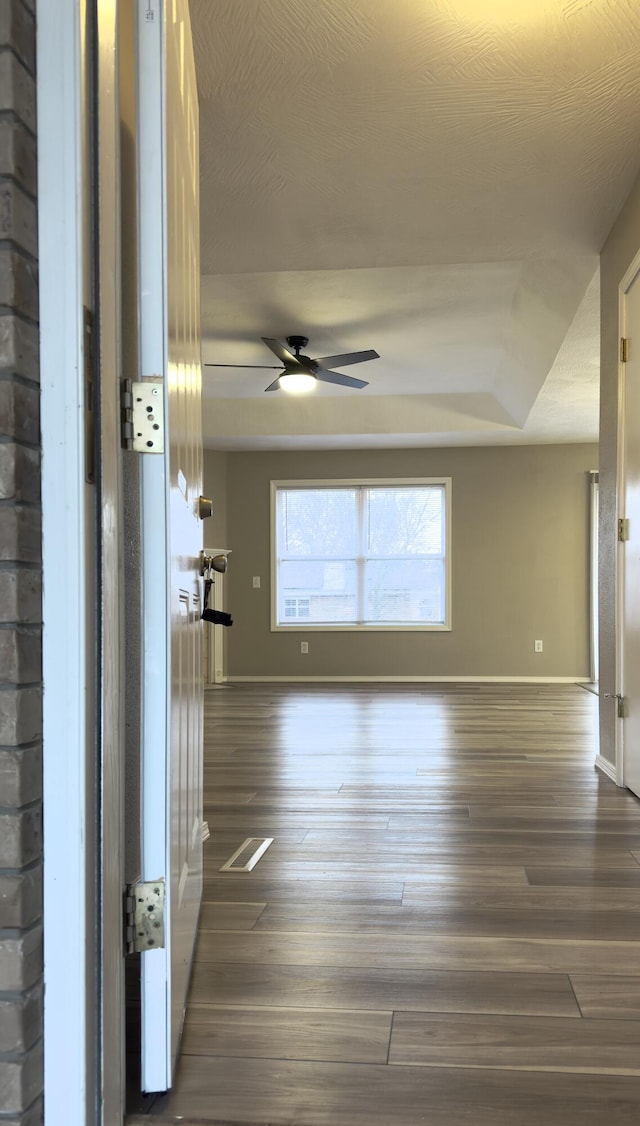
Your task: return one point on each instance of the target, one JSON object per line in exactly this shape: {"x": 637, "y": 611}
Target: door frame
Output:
{"x": 69, "y": 695}
{"x": 109, "y": 567}
{"x": 215, "y": 668}
{"x": 594, "y": 510}
{"x": 216, "y": 675}
{"x": 617, "y": 771}
{"x": 78, "y": 146}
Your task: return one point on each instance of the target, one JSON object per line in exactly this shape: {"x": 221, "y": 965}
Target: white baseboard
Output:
{"x": 607, "y": 768}
{"x": 409, "y": 679}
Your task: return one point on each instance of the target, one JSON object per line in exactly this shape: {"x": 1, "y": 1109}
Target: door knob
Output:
{"x": 209, "y": 562}
{"x": 205, "y": 507}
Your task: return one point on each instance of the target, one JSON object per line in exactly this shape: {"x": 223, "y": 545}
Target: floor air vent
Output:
{"x": 247, "y": 856}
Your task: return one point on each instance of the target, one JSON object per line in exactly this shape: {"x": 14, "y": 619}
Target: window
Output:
{"x": 360, "y": 554}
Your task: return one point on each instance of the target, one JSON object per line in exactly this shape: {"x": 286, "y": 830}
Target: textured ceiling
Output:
{"x": 430, "y": 179}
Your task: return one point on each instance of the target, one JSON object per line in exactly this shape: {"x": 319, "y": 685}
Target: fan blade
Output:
{"x": 275, "y": 386}
{"x": 342, "y": 380}
{"x": 261, "y": 367}
{"x": 348, "y": 358}
{"x": 279, "y": 350}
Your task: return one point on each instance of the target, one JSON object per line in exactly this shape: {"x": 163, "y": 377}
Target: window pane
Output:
{"x": 406, "y": 590}
{"x": 407, "y": 520}
{"x": 317, "y": 522}
{"x": 321, "y": 592}
{"x": 296, "y": 609}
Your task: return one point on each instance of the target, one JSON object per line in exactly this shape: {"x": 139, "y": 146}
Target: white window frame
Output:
{"x": 355, "y": 627}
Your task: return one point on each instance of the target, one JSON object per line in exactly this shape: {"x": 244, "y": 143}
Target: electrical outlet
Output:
{"x": 304, "y": 646}
{"x": 537, "y": 645}
{"x": 256, "y": 582}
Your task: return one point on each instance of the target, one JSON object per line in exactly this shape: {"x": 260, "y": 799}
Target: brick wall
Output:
{"x": 20, "y": 604}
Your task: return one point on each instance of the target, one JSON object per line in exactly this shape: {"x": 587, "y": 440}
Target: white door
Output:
{"x": 171, "y": 529}
{"x": 629, "y": 618}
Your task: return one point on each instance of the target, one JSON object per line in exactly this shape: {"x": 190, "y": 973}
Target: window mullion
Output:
{"x": 360, "y": 563}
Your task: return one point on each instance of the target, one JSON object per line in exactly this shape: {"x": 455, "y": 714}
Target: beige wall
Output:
{"x": 618, "y": 252}
{"x": 520, "y": 527}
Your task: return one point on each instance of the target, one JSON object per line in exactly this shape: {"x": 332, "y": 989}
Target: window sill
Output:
{"x": 391, "y": 627}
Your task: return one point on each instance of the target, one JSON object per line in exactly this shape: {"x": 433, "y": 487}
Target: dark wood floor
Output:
{"x": 446, "y": 930}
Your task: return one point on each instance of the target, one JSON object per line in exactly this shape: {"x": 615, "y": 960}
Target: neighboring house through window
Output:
{"x": 369, "y": 555}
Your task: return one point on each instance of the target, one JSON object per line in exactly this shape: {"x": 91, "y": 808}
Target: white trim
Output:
{"x": 632, "y": 270}
{"x": 623, "y": 289}
{"x": 378, "y": 627}
{"x": 231, "y": 679}
{"x": 67, "y": 645}
{"x": 215, "y": 640}
{"x": 350, "y": 482}
{"x": 360, "y": 482}
{"x": 607, "y": 768}
{"x": 594, "y": 508}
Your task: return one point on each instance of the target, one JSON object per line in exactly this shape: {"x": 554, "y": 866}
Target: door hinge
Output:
{"x": 623, "y": 530}
{"x": 126, "y": 414}
{"x": 620, "y": 703}
{"x": 142, "y": 413}
{"x": 144, "y": 921}
{"x": 624, "y": 349}
{"x": 622, "y": 711}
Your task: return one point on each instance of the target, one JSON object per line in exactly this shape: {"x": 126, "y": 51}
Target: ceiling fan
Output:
{"x": 300, "y": 372}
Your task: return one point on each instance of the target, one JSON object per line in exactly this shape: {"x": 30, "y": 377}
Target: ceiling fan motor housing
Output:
{"x": 298, "y": 342}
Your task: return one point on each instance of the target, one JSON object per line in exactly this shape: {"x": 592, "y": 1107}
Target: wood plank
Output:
{"x": 613, "y": 814}
{"x": 287, "y": 1033}
{"x": 515, "y": 1042}
{"x": 448, "y": 916}
{"x": 413, "y": 859}
{"x": 231, "y": 797}
{"x": 589, "y": 876}
{"x": 607, "y": 997}
{"x": 290, "y": 820}
{"x": 466, "y": 835}
{"x": 623, "y": 824}
{"x": 230, "y": 916}
{"x": 326, "y": 986}
{"x": 455, "y": 794}
{"x": 427, "y": 952}
{"x": 231, "y": 886}
{"x": 589, "y": 897}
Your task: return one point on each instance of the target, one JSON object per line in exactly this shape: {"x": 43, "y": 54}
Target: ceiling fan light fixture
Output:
{"x": 297, "y": 382}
